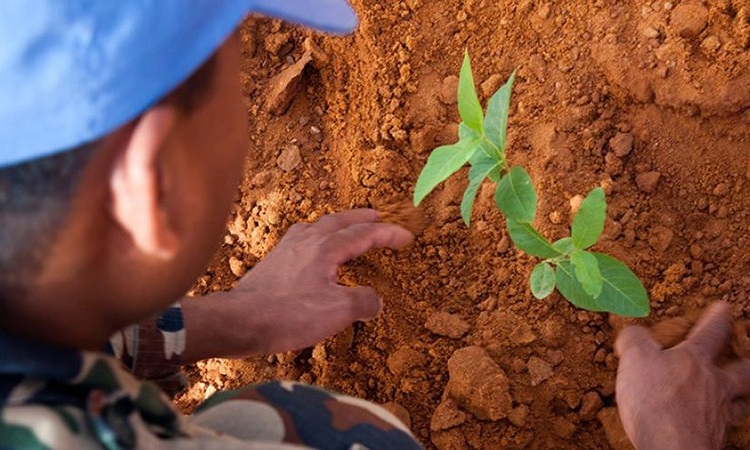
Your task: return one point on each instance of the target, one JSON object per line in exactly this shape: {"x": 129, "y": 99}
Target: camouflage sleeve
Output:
{"x": 153, "y": 349}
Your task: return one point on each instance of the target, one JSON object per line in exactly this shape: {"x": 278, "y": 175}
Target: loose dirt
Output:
{"x": 648, "y": 99}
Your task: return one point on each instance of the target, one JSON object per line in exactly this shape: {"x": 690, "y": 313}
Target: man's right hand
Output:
{"x": 291, "y": 299}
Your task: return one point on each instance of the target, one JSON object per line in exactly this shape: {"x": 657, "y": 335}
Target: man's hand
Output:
{"x": 679, "y": 398}
{"x": 290, "y": 299}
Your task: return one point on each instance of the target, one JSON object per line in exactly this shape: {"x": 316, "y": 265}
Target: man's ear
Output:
{"x": 136, "y": 184}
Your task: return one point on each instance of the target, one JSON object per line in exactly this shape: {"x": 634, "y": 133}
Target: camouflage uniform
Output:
{"x": 52, "y": 397}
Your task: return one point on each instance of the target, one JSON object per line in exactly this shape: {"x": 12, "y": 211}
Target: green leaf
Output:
{"x": 529, "y": 240}
{"x": 622, "y": 291}
{"x": 467, "y": 134}
{"x": 588, "y": 222}
{"x": 494, "y": 176}
{"x": 571, "y": 288}
{"x": 468, "y": 103}
{"x": 496, "y": 120}
{"x": 442, "y": 163}
{"x": 515, "y": 196}
{"x": 480, "y": 169}
{"x": 542, "y": 280}
{"x": 564, "y": 245}
{"x": 586, "y": 271}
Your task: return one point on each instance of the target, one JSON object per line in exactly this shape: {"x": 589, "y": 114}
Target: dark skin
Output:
{"x": 680, "y": 398}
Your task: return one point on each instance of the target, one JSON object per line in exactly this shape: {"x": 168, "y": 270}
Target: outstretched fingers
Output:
{"x": 331, "y": 223}
{"x": 709, "y": 335}
{"x": 354, "y": 240}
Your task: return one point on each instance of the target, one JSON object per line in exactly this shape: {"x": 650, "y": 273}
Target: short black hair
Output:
{"x": 35, "y": 196}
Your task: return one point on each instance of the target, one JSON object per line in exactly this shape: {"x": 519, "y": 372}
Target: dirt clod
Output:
{"x": 404, "y": 359}
{"x": 479, "y": 384}
{"x": 404, "y": 214}
{"x": 591, "y": 403}
{"x": 286, "y": 85}
{"x": 290, "y": 158}
{"x": 689, "y": 18}
{"x": 519, "y": 415}
{"x": 622, "y": 144}
{"x": 446, "y": 324}
{"x": 539, "y": 370}
{"x": 447, "y": 415}
{"x": 237, "y": 266}
{"x": 449, "y": 89}
{"x": 647, "y": 181}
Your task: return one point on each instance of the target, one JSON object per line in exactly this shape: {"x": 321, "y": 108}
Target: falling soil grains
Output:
{"x": 405, "y": 215}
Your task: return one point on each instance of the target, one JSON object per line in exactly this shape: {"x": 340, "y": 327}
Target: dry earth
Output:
{"x": 649, "y": 99}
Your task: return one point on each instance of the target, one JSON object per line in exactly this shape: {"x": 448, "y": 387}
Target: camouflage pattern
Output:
{"x": 52, "y": 397}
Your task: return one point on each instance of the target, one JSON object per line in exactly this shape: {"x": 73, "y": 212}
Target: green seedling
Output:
{"x": 590, "y": 280}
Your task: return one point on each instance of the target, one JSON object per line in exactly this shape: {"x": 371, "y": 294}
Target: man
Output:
{"x": 122, "y": 137}
{"x": 122, "y": 142}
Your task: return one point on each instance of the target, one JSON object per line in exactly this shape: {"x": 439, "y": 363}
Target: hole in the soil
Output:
{"x": 730, "y": 11}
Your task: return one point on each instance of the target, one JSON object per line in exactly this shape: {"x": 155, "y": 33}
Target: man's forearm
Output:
{"x": 218, "y": 325}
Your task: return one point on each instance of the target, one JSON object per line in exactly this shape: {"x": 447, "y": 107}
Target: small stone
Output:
{"x": 286, "y": 85}
{"x": 449, "y": 90}
{"x": 319, "y": 353}
{"x": 575, "y": 204}
{"x": 660, "y": 238}
{"x": 522, "y": 334}
{"x": 447, "y": 415}
{"x": 537, "y": 66}
{"x": 519, "y": 415}
{"x": 539, "y": 370}
{"x": 555, "y": 357}
{"x": 689, "y": 18}
{"x": 237, "y": 266}
{"x": 647, "y": 181}
{"x": 622, "y": 144}
{"x": 555, "y": 217}
{"x": 452, "y": 439}
{"x": 563, "y": 427}
{"x": 446, "y": 324}
{"x": 612, "y": 164}
{"x": 290, "y": 158}
{"x": 491, "y": 85}
{"x": 405, "y": 359}
{"x": 651, "y": 32}
{"x": 722, "y": 189}
{"x": 696, "y": 251}
{"x": 590, "y": 405}
{"x": 711, "y": 44}
{"x": 261, "y": 179}
{"x": 544, "y": 11}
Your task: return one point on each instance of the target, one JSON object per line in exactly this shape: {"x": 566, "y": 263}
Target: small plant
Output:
{"x": 590, "y": 280}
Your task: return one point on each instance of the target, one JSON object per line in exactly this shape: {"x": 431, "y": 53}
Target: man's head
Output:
{"x": 118, "y": 226}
